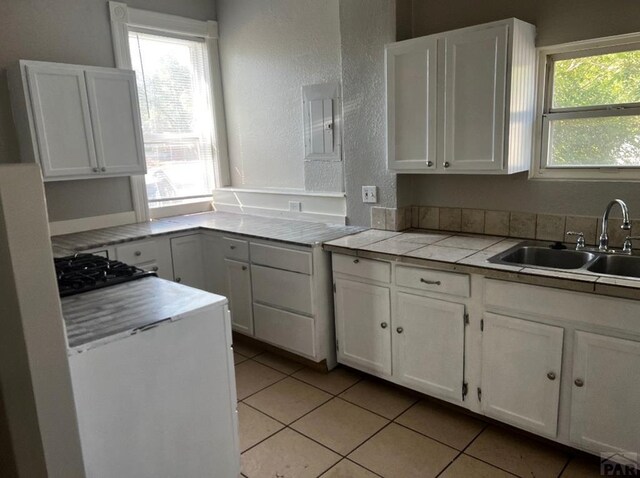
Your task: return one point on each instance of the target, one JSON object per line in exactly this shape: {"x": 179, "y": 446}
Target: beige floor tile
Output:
{"x": 288, "y": 400}
{"x": 468, "y": 467}
{"x": 252, "y": 377}
{"x": 237, "y": 358}
{"x": 348, "y": 469}
{"x": 517, "y": 454}
{"x": 441, "y": 423}
{"x": 287, "y": 454}
{"x": 582, "y": 467}
{"x": 334, "y": 382}
{"x": 247, "y": 349}
{"x": 399, "y": 452}
{"x": 281, "y": 364}
{"x": 254, "y": 426}
{"x": 340, "y": 425}
{"x": 379, "y": 397}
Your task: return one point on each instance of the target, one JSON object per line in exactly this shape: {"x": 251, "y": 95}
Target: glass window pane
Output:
{"x": 608, "y": 79}
{"x": 595, "y": 142}
{"x": 174, "y": 93}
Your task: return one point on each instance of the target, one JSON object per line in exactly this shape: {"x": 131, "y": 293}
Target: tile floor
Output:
{"x": 298, "y": 423}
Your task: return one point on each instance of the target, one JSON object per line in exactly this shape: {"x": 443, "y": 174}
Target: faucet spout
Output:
{"x": 626, "y": 223}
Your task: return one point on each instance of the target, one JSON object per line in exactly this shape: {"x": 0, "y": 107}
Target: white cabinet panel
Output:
{"x": 186, "y": 252}
{"x": 411, "y": 103}
{"x": 285, "y": 329}
{"x": 113, "y": 101}
{"x": 284, "y": 289}
{"x": 240, "y": 302}
{"x": 606, "y": 393}
{"x": 429, "y": 345}
{"x": 363, "y": 326}
{"x": 214, "y": 264}
{"x": 474, "y": 99}
{"x": 521, "y": 371}
{"x": 60, "y": 110}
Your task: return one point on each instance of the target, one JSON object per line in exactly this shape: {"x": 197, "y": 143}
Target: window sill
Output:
{"x": 181, "y": 209}
{"x": 586, "y": 174}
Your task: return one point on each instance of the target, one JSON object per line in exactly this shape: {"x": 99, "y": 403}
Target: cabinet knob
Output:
{"x": 232, "y": 247}
{"x": 551, "y": 376}
{"x": 103, "y": 169}
{"x": 579, "y": 382}
{"x": 155, "y": 268}
{"x": 178, "y": 279}
{"x": 399, "y": 330}
{"x": 384, "y": 325}
{"x": 355, "y": 261}
{"x": 429, "y": 164}
{"x": 95, "y": 170}
{"x": 137, "y": 253}
{"x": 446, "y": 164}
{"x": 244, "y": 268}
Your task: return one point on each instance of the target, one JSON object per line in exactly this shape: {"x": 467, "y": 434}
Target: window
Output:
{"x": 174, "y": 90}
{"x": 180, "y": 95}
{"x": 589, "y": 112}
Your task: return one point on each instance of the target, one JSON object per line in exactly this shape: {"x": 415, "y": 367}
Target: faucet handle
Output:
{"x": 579, "y": 240}
{"x": 627, "y": 247}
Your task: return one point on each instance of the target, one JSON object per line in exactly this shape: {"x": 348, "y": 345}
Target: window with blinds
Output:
{"x": 174, "y": 89}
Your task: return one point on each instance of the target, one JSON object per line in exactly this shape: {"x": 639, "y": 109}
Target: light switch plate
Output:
{"x": 369, "y": 194}
{"x": 295, "y": 206}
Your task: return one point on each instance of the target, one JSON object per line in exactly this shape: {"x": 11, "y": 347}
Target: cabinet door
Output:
{"x": 606, "y": 393}
{"x": 474, "y": 99}
{"x": 363, "y": 326}
{"x": 186, "y": 252}
{"x": 240, "y": 302}
{"x": 521, "y": 365}
{"x": 60, "y": 111}
{"x": 115, "y": 116}
{"x": 411, "y": 104}
{"x": 214, "y": 264}
{"x": 428, "y": 345}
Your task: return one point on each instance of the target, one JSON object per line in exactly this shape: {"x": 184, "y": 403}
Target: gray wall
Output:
{"x": 71, "y": 31}
{"x": 557, "y": 22}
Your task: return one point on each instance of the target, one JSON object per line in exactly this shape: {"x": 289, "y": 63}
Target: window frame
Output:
{"x": 125, "y": 19}
{"x": 545, "y": 113}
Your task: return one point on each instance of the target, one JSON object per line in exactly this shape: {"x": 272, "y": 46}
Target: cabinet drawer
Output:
{"x": 285, "y": 329}
{"x": 236, "y": 249}
{"x": 289, "y": 290}
{"x": 137, "y": 252}
{"x": 433, "y": 281}
{"x": 281, "y": 258}
{"x": 365, "y": 268}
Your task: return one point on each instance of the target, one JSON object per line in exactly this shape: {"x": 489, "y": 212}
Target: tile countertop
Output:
{"x": 111, "y": 313}
{"x": 283, "y": 230}
{"x": 469, "y": 253}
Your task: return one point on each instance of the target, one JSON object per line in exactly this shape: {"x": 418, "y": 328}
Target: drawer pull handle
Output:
{"x": 579, "y": 382}
{"x": 551, "y": 376}
{"x": 384, "y": 325}
{"x": 430, "y": 282}
{"x": 137, "y": 253}
{"x": 355, "y": 261}
{"x": 399, "y": 330}
{"x": 232, "y": 247}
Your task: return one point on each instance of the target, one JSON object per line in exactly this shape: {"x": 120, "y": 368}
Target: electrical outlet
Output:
{"x": 370, "y": 194}
{"x": 295, "y": 206}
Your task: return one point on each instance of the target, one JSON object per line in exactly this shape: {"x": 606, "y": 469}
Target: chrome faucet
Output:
{"x": 626, "y": 224}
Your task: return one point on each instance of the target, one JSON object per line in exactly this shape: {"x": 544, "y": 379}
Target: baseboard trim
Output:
{"x": 88, "y": 223}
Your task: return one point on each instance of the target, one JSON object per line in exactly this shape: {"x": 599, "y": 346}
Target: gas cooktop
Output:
{"x": 85, "y": 272}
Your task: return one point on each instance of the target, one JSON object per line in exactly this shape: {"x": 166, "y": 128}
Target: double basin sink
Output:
{"x": 538, "y": 255}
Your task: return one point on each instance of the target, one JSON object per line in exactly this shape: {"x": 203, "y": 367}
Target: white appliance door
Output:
{"x": 161, "y": 403}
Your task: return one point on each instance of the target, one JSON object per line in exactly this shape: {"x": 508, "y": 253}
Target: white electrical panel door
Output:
{"x": 117, "y": 133}
{"x": 321, "y": 121}
{"x": 60, "y": 110}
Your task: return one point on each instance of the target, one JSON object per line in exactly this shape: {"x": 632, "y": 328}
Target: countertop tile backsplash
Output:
{"x": 518, "y": 224}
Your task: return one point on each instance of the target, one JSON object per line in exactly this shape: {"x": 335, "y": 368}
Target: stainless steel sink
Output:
{"x": 628, "y": 266}
{"x": 541, "y": 256}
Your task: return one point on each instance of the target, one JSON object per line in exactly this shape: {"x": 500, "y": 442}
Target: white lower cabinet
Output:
{"x": 363, "y": 325}
{"x": 521, "y": 371}
{"x": 605, "y": 393}
{"x": 187, "y": 255}
{"x": 428, "y": 345}
{"x": 240, "y": 301}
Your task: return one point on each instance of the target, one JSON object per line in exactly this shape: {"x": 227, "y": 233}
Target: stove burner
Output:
{"x": 85, "y": 272}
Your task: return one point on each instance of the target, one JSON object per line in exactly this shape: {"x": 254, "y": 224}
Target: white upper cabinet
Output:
{"x": 462, "y": 101}
{"x": 77, "y": 121}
